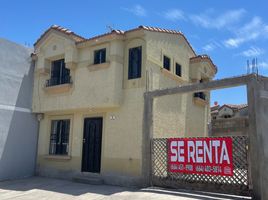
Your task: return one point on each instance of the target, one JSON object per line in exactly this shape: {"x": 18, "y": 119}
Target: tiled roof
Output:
{"x": 118, "y": 32}
{"x": 147, "y": 28}
{"x": 66, "y": 31}
{"x": 232, "y": 106}
{"x": 80, "y": 39}
{"x": 214, "y": 112}
{"x": 212, "y": 108}
{"x": 200, "y": 57}
{"x": 236, "y": 106}
{"x": 155, "y": 29}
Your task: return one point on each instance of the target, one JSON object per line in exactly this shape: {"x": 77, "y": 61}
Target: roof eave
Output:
{"x": 71, "y": 35}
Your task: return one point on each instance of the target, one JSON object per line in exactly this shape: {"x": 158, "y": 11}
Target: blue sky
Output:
{"x": 231, "y": 32}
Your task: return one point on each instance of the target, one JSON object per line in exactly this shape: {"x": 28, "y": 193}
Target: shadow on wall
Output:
{"x": 18, "y": 126}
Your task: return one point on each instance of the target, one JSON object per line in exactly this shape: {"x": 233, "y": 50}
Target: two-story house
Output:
{"x": 90, "y": 94}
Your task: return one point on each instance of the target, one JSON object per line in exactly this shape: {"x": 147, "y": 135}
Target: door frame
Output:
{"x": 86, "y": 116}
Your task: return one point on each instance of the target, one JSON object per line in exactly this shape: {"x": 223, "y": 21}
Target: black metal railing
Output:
{"x": 58, "y": 81}
{"x": 200, "y": 95}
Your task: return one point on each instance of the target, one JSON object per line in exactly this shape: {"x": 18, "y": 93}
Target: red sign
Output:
{"x": 201, "y": 156}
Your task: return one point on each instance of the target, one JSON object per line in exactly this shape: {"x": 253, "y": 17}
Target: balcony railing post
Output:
{"x": 58, "y": 81}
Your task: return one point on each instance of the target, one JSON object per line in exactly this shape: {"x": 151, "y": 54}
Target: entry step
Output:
{"x": 88, "y": 180}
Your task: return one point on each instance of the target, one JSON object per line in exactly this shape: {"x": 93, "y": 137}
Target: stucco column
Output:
{"x": 258, "y": 126}
{"x": 146, "y": 139}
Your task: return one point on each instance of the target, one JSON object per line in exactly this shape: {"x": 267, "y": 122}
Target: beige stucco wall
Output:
{"x": 168, "y": 111}
{"x": 201, "y": 70}
{"x": 104, "y": 90}
{"x": 225, "y": 111}
{"x": 94, "y": 86}
{"x": 196, "y": 118}
{"x": 121, "y": 143}
{"x": 172, "y": 46}
{"x": 174, "y": 115}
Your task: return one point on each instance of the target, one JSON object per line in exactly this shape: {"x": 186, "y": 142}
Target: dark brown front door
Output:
{"x": 91, "y": 158}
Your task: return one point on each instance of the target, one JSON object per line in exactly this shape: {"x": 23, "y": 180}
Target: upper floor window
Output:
{"x": 59, "y": 137}
{"x": 166, "y": 62}
{"x": 178, "y": 69}
{"x": 134, "y": 62}
{"x": 100, "y": 56}
{"x": 200, "y": 95}
{"x": 59, "y": 73}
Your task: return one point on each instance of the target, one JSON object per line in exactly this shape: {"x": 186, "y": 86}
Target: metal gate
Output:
{"x": 239, "y": 183}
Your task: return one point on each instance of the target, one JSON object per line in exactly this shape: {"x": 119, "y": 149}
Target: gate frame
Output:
{"x": 257, "y": 96}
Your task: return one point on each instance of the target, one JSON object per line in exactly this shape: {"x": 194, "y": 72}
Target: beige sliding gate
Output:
{"x": 154, "y": 166}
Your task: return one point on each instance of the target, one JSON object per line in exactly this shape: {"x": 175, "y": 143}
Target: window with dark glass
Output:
{"x": 59, "y": 137}
{"x": 166, "y": 62}
{"x": 178, "y": 69}
{"x": 59, "y": 73}
{"x": 100, "y": 56}
{"x": 200, "y": 95}
{"x": 134, "y": 62}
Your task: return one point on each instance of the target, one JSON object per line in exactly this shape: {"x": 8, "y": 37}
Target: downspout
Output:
{"x": 39, "y": 116}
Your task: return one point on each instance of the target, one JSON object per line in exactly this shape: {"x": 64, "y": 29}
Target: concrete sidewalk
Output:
{"x": 39, "y": 188}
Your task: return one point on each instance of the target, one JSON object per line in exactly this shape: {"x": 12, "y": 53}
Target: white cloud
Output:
{"x": 174, "y": 15}
{"x": 253, "y": 30}
{"x": 263, "y": 65}
{"x": 208, "y": 47}
{"x": 233, "y": 42}
{"x": 211, "y": 46}
{"x": 137, "y": 10}
{"x": 252, "y": 52}
{"x": 209, "y": 20}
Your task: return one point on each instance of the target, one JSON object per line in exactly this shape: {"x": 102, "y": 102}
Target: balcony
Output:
{"x": 58, "y": 85}
{"x": 200, "y": 98}
{"x": 84, "y": 89}
{"x": 58, "y": 81}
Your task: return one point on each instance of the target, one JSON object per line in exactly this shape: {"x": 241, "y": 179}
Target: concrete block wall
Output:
{"x": 18, "y": 126}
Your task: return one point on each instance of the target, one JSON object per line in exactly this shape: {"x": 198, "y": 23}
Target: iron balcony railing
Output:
{"x": 200, "y": 95}
{"x": 58, "y": 81}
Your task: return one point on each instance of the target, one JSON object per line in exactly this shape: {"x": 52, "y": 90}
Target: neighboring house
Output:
{"x": 18, "y": 126}
{"x": 91, "y": 95}
{"x": 229, "y": 119}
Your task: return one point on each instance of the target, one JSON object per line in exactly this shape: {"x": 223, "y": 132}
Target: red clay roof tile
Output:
{"x": 77, "y": 38}
{"x": 66, "y": 31}
{"x": 80, "y": 39}
{"x": 237, "y": 106}
{"x": 232, "y": 106}
{"x": 204, "y": 56}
